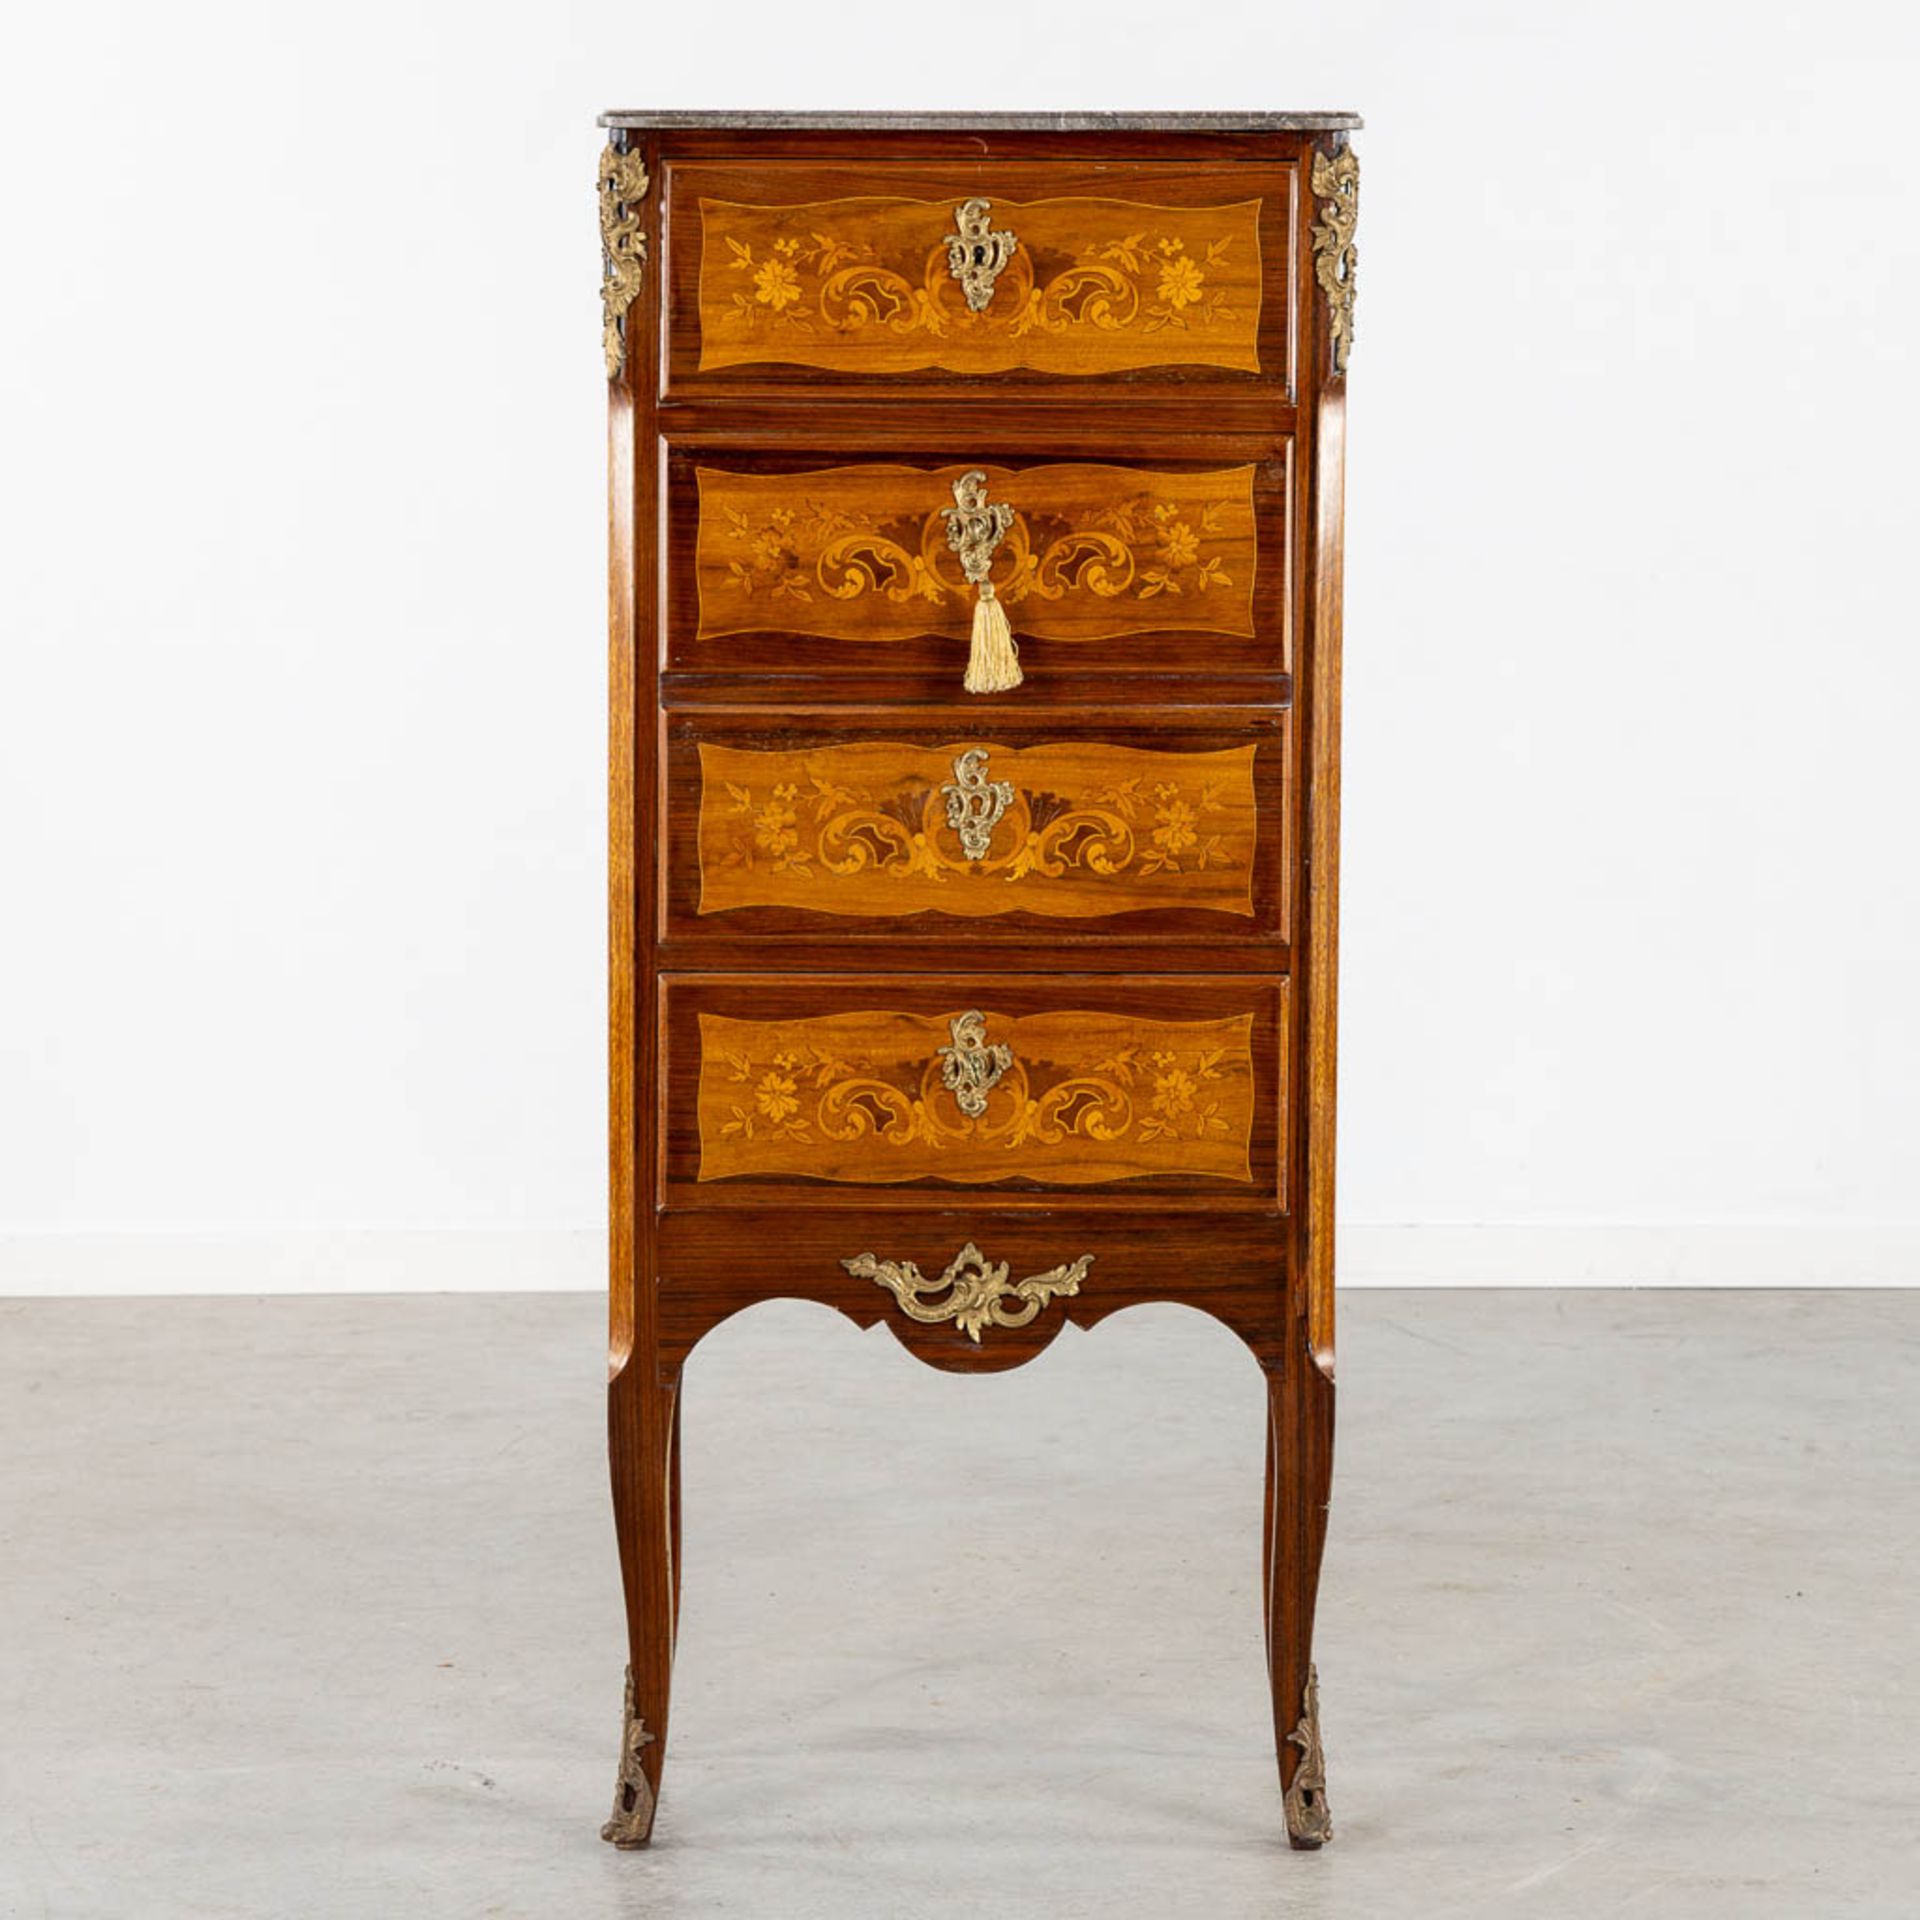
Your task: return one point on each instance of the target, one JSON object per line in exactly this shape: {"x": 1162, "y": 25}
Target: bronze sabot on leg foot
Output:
{"x": 1309, "y": 1822}
{"x": 632, "y": 1822}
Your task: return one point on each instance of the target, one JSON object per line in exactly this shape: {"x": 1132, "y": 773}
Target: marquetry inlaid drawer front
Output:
{"x": 825, "y": 275}
{"x": 784, "y": 563}
{"x": 912, "y": 1083}
{"x": 939, "y": 828}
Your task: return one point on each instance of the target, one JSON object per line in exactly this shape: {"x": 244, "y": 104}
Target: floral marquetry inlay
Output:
{"x": 1085, "y": 1097}
{"x": 867, "y": 286}
{"x": 861, "y": 553}
{"x": 869, "y": 830}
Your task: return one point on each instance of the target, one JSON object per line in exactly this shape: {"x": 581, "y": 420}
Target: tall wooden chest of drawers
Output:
{"x": 975, "y": 641}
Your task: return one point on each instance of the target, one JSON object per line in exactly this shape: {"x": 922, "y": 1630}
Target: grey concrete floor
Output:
{"x": 308, "y": 1606}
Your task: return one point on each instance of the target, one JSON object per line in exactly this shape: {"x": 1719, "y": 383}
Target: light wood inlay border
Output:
{"x": 1086, "y": 829}
{"x": 1095, "y": 286}
{"x": 860, "y": 553}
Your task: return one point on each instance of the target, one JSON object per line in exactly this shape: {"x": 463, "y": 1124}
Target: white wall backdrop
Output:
{"x": 301, "y": 618}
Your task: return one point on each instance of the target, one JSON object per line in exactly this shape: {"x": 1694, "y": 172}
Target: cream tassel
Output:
{"x": 994, "y": 666}
{"x": 975, "y": 526}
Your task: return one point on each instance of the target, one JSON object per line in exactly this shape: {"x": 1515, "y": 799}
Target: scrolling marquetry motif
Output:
{"x": 867, "y": 830}
{"x": 1085, "y": 1097}
{"x": 866, "y": 286}
{"x": 861, "y": 553}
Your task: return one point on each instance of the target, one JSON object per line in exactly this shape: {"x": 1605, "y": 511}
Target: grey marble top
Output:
{"x": 995, "y": 122}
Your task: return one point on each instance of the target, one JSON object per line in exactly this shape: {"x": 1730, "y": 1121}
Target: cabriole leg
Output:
{"x": 1299, "y": 1464}
{"x": 642, "y": 1419}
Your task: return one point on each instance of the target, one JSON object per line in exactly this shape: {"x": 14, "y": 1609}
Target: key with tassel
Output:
{"x": 975, "y": 527}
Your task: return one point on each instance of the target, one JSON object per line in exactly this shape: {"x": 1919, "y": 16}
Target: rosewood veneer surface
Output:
{"x": 974, "y": 1014}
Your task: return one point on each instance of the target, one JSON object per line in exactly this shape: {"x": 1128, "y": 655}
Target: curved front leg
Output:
{"x": 643, "y": 1427}
{"x": 1299, "y": 1477}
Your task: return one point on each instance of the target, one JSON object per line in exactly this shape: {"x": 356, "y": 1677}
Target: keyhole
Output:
{"x": 979, "y": 256}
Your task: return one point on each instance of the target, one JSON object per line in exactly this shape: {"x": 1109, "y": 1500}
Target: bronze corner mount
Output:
{"x": 623, "y": 246}
{"x": 1336, "y": 185}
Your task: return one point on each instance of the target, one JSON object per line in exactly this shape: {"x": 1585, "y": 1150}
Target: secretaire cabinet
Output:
{"x": 975, "y": 652}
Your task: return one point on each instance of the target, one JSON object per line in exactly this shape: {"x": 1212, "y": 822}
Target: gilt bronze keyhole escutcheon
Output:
{"x": 971, "y": 1067}
{"x": 975, "y": 525}
{"x": 976, "y": 254}
{"x": 975, "y": 803}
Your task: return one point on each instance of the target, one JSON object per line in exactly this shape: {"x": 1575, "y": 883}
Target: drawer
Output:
{"x": 826, "y": 275}
{"x": 953, "y": 1284}
{"x": 836, "y": 1085}
{"x": 937, "y": 827}
{"x": 784, "y": 563}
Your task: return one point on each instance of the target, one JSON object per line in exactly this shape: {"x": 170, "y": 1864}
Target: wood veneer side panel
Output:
{"x": 1318, "y": 940}
{"x": 1323, "y": 904}
{"x": 632, "y": 697}
{"x": 621, "y": 855}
